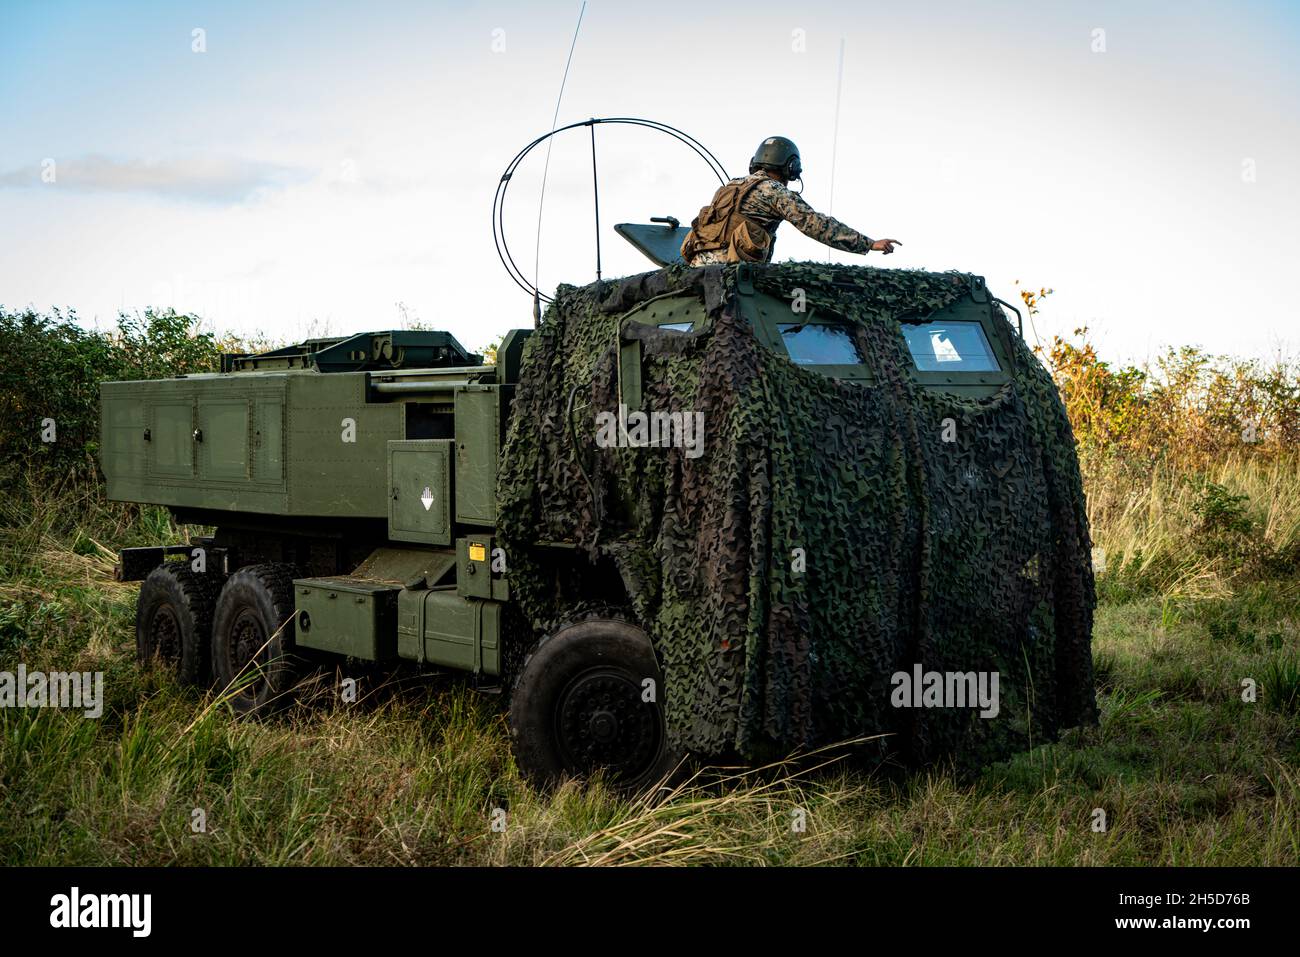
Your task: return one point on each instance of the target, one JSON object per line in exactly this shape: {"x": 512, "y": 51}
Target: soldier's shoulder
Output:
{"x": 771, "y": 189}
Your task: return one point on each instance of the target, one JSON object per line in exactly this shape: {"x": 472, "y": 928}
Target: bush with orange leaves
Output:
{"x": 1190, "y": 463}
{"x": 1188, "y": 410}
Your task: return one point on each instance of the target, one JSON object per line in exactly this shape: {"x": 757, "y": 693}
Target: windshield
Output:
{"x": 949, "y": 347}
{"x": 822, "y": 344}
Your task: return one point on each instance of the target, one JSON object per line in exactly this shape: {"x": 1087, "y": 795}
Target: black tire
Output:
{"x": 173, "y": 621}
{"x": 252, "y": 639}
{"x": 577, "y": 707}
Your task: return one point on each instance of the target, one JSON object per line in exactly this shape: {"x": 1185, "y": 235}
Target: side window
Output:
{"x": 952, "y": 346}
{"x": 820, "y": 344}
{"x": 817, "y": 340}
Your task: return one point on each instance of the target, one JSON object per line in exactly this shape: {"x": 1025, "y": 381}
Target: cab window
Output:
{"x": 950, "y": 347}
{"x": 820, "y": 344}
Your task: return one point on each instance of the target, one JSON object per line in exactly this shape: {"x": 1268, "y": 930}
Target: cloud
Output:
{"x": 212, "y": 179}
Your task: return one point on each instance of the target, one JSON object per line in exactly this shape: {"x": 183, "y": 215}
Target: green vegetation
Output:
{"x": 1198, "y": 536}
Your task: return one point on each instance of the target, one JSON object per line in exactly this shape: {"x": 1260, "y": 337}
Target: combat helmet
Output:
{"x": 779, "y": 154}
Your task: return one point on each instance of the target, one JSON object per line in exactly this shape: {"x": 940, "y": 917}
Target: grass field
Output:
{"x": 1198, "y": 595}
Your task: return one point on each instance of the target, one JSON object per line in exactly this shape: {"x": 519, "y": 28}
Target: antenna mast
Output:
{"x": 537, "y": 258}
{"x": 835, "y": 140}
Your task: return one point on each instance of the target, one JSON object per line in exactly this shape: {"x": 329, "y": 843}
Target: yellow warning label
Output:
{"x": 477, "y": 552}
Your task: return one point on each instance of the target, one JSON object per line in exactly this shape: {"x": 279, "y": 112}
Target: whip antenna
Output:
{"x": 537, "y": 258}
{"x": 835, "y": 138}
{"x": 517, "y": 274}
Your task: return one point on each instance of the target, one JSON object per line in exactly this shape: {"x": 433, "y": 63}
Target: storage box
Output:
{"x": 347, "y": 616}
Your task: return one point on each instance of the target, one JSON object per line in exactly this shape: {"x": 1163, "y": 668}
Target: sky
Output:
{"x": 284, "y": 169}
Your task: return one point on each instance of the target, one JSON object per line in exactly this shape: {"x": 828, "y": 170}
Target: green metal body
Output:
{"x": 297, "y": 449}
{"x": 347, "y": 617}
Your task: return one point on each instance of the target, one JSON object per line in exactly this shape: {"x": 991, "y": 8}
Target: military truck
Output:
{"x": 884, "y": 478}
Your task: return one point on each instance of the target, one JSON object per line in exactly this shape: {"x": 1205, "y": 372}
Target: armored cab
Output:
{"x": 714, "y": 510}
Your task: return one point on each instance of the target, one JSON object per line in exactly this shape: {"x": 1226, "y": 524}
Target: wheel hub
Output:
{"x": 166, "y": 634}
{"x": 604, "y": 727}
{"x": 603, "y": 723}
{"x": 247, "y": 639}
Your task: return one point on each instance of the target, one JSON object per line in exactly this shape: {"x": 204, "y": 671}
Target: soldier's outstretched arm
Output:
{"x": 825, "y": 229}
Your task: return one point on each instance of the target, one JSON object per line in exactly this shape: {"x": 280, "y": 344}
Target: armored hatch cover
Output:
{"x": 661, "y": 244}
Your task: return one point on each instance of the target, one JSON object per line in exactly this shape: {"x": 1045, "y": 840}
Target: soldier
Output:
{"x": 740, "y": 223}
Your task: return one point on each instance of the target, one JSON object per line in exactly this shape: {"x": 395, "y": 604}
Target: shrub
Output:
{"x": 49, "y": 384}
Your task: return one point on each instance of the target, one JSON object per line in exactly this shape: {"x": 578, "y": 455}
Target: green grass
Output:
{"x": 1185, "y": 770}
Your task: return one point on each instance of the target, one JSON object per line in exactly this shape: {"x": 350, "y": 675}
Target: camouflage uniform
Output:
{"x": 769, "y": 203}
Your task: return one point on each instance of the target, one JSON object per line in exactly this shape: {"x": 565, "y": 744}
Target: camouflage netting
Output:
{"x": 971, "y": 555}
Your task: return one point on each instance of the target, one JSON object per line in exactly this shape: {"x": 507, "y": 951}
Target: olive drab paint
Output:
{"x": 334, "y": 437}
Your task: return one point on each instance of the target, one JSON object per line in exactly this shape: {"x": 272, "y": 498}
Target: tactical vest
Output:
{"x": 721, "y": 226}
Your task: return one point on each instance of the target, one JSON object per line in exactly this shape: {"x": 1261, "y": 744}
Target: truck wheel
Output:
{"x": 252, "y": 639}
{"x": 173, "y": 621}
{"x": 578, "y": 707}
